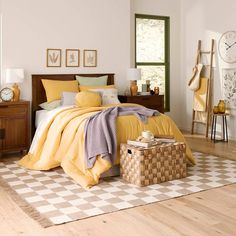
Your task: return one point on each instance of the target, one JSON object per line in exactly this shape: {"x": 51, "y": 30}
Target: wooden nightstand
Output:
{"x": 150, "y": 101}
{"x": 14, "y": 126}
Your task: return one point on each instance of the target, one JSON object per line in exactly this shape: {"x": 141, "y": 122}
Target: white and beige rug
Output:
{"x": 51, "y": 197}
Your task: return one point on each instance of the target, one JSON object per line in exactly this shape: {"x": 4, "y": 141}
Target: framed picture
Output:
{"x": 229, "y": 87}
{"x": 90, "y": 58}
{"x": 72, "y": 57}
{"x": 53, "y": 57}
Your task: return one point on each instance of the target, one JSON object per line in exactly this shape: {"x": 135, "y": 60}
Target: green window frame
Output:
{"x": 166, "y": 62}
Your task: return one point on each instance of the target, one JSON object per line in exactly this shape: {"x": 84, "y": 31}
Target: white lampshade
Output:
{"x": 134, "y": 74}
{"x": 15, "y": 76}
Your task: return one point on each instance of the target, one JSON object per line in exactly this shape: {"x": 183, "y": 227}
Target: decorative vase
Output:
{"x": 221, "y": 106}
{"x": 156, "y": 90}
{"x": 16, "y": 92}
{"x": 133, "y": 88}
{"x": 215, "y": 109}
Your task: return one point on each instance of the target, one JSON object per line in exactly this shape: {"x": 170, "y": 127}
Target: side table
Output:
{"x": 224, "y": 127}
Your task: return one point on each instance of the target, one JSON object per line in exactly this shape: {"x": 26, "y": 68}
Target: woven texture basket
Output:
{"x": 160, "y": 163}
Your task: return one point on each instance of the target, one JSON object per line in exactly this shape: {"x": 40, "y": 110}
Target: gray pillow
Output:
{"x": 92, "y": 81}
{"x": 68, "y": 98}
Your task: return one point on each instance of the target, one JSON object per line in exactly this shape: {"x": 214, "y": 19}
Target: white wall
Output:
{"x": 32, "y": 26}
{"x": 172, "y": 9}
{"x": 205, "y": 20}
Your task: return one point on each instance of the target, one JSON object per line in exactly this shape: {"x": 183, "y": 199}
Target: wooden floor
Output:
{"x": 212, "y": 212}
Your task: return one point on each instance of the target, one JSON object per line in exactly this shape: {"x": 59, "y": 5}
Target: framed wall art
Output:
{"x": 53, "y": 57}
{"x": 72, "y": 57}
{"x": 90, "y": 58}
{"x": 229, "y": 87}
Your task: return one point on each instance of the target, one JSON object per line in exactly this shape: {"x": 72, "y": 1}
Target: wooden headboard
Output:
{"x": 38, "y": 92}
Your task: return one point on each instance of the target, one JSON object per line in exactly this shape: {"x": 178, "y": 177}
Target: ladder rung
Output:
{"x": 206, "y": 52}
{"x": 200, "y": 122}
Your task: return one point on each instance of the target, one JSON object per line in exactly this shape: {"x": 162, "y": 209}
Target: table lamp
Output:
{"x": 15, "y": 76}
{"x": 133, "y": 74}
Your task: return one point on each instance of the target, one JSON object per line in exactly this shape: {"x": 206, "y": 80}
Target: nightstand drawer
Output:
{"x": 14, "y": 126}
{"x": 12, "y": 110}
{"x": 145, "y": 100}
{"x": 155, "y": 102}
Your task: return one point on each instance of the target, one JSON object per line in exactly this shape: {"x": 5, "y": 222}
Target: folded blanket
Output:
{"x": 100, "y": 131}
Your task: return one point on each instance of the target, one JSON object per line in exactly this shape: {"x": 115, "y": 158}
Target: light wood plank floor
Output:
{"x": 211, "y": 212}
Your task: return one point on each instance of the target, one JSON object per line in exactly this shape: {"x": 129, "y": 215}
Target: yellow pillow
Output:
{"x": 86, "y": 88}
{"x": 88, "y": 99}
{"x": 54, "y": 88}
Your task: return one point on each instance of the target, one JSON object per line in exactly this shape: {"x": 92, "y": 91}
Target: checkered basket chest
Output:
{"x": 156, "y": 164}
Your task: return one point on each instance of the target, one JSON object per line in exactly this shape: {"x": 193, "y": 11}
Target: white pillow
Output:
{"x": 68, "y": 98}
{"x": 50, "y": 105}
{"x": 109, "y": 96}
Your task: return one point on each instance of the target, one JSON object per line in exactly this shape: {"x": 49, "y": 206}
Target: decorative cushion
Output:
{"x": 109, "y": 96}
{"x": 88, "y": 99}
{"x": 92, "y": 81}
{"x": 86, "y": 88}
{"x": 54, "y": 88}
{"x": 68, "y": 98}
{"x": 50, "y": 105}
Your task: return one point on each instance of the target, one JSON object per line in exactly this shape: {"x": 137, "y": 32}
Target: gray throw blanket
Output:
{"x": 100, "y": 131}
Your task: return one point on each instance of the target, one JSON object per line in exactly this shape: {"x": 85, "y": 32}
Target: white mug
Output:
{"x": 147, "y": 134}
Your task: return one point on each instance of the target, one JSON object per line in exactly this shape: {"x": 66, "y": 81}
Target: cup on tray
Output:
{"x": 148, "y": 135}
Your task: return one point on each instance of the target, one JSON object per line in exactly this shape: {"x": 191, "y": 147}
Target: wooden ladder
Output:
{"x": 209, "y": 90}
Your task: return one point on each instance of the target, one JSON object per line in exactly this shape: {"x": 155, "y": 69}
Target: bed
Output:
{"x": 59, "y": 140}
{"x": 39, "y": 95}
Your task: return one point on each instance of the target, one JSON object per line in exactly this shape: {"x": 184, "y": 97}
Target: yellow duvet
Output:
{"x": 60, "y": 142}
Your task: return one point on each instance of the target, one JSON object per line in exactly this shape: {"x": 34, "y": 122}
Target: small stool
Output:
{"x": 224, "y": 128}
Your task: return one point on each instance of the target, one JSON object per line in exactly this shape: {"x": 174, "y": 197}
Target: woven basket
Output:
{"x": 160, "y": 163}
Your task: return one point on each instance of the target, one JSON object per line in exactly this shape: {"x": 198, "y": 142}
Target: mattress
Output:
{"x": 39, "y": 116}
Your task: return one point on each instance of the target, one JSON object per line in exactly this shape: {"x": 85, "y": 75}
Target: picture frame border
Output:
{"x": 84, "y": 56}
{"x": 47, "y": 55}
{"x": 66, "y": 60}
{"x": 224, "y": 71}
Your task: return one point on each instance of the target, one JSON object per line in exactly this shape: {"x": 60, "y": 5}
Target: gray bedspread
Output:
{"x": 100, "y": 131}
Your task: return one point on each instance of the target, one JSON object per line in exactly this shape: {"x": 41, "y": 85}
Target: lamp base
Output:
{"x": 16, "y": 92}
{"x": 133, "y": 88}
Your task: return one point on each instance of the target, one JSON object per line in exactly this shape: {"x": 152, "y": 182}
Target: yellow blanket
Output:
{"x": 61, "y": 142}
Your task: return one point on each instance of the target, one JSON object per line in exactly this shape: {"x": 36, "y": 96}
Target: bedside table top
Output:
{"x": 13, "y": 103}
{"x": 151, "y": 95}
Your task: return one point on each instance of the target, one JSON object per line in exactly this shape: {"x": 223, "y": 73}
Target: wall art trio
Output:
{"x": 72, "y": 57}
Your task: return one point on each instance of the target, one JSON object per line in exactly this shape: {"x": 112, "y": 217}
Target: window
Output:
{"x": 152, "y": 52}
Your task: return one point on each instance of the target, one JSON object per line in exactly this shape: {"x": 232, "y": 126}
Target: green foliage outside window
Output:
{"x": 152, "y": 52}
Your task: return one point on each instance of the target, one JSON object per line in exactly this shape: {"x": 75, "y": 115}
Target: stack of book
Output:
{"x": 153, "y": 142}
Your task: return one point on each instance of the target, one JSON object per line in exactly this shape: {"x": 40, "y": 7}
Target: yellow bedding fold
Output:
{"x": 61, "y": 142}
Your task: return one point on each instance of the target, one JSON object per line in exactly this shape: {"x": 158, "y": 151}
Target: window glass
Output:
{"x": 150, "y": 40}
{"x": 152, "y": 52}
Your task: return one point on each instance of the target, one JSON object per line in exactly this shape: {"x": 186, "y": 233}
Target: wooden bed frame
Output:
{"x": 39, "y": 95}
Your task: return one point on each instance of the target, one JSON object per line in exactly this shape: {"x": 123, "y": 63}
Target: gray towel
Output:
{"x": 100, "y": 131}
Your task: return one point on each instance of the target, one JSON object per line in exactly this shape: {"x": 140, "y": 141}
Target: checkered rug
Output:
{"x": 57, "y": 199}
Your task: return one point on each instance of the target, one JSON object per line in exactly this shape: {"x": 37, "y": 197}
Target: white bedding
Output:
{"x": 39, "y": 116}
{"x": 44, "y": 114}
{"x": 41, "y": 120}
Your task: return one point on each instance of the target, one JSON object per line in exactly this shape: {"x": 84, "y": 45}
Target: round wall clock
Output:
{"x": 227, "y": 47}
{"x": 6, "y": 94}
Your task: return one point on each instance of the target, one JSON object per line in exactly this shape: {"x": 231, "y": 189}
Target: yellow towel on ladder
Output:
{"x": 200, "y": 96}
{"x": 200, "y": 100}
